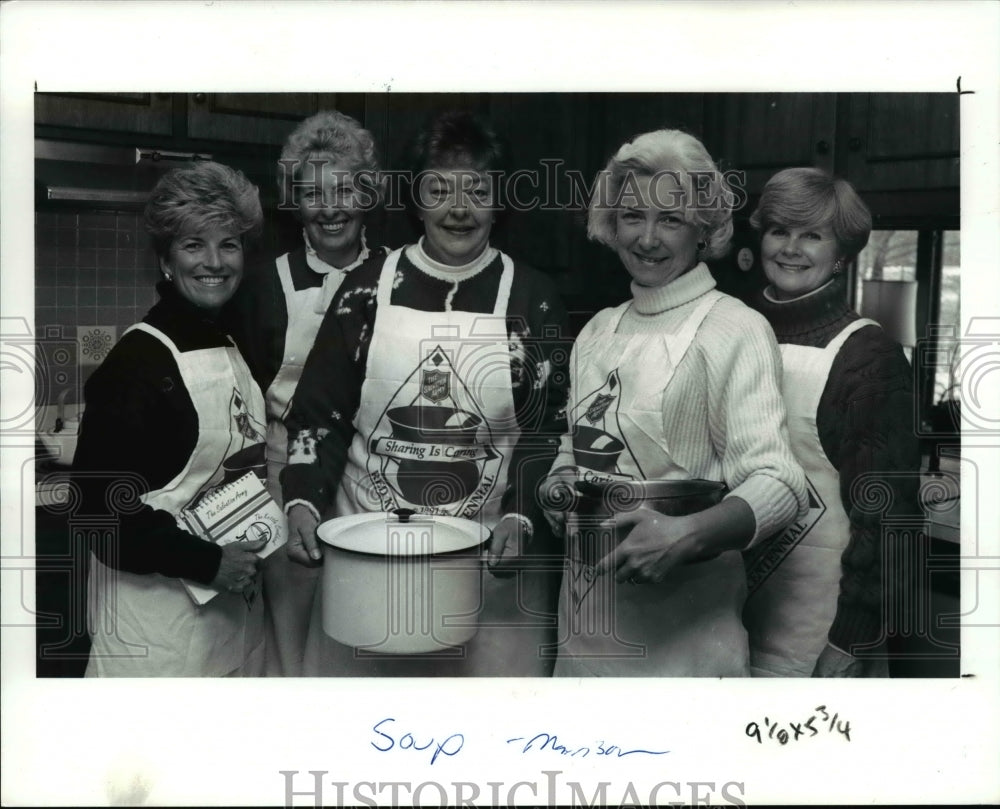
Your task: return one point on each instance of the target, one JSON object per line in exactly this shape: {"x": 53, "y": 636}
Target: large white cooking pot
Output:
{"x": 401, "y": 583}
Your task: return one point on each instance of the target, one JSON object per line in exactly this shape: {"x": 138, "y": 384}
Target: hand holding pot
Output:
{"x": 302, "y": 546}
{"x": 238, "y": 566}
{"x": 655, "y": 545}
{"x": 557, "y": 495}
{"x": 507, "y": 547}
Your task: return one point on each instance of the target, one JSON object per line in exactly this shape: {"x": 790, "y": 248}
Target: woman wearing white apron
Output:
{"x": 449, "y": 326}
{"x": 326, "y": 177}
{"x": 172, "y": 413}
{"x": 816, "y": 591}
{"x": 679, "y": 383}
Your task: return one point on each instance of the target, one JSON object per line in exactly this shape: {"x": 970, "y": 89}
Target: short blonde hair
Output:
{"x": 329, "y": 135}
{"x": 655, "y": 153}
{"x": 204, "y": 195}
{"x": 809, "y": 197}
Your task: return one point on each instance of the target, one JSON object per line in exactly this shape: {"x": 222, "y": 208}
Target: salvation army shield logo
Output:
{"x": 435, "y": 385}
{"x": 599, "y": 444}
{"x": 598, "y": 407}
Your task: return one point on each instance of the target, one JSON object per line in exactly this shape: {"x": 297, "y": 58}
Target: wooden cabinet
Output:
{"x": 899, "y": 150}
{"x": 762, "y": 133}
{"x": 900, "y": 141}
{"x": 187, "y": 120}
{"x": 138, "y": 113}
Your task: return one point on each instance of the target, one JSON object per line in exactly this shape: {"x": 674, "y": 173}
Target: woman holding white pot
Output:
{"x": 444, "y": 337}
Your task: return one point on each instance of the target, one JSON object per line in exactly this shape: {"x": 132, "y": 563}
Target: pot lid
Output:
{"x": 401, "y": 533}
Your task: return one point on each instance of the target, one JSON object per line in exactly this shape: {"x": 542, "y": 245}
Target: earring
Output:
{"x": 167, "y": 276}
{"x": 837, "y": 267}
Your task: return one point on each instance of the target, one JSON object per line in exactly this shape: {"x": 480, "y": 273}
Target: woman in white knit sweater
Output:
{"x": 679, "y": 383}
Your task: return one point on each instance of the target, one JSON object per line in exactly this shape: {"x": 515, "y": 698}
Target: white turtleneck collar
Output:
{"x": 683, "y": 289}
{"x": 446, "y": 272}
{"x": 769, "y": 293}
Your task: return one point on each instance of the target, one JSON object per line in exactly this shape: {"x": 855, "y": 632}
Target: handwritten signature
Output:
{"x": 549, "y": 741}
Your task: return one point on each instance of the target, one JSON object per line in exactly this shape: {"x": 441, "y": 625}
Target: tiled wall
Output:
{"x": 94, "y": 275}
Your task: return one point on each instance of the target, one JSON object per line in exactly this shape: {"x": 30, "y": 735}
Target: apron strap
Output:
{"x": 506, "y": 282}
{"x": 285, "y": 276}
{"x": 680, "y": 343}
{"x": 387, "y": 277}
{"x": 686, "y": 335}
{"x": 838, "y": 342}
{"x": 155, "y": 332}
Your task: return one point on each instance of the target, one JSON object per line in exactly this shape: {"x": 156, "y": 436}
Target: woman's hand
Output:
{"x": 556, "y": 494}
{"x": 658, "y": 543}
{"x": 302, "y": 546}
{"x": 655, "y": 545}
{"x": 507, "y": 547}
{"x": 834, "y": 663}
{"x": 238, "y": 566}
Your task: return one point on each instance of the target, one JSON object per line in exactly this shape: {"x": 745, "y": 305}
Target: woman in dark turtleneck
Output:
{"x": 816, "y": 591}
{"x": 170, "y": 413}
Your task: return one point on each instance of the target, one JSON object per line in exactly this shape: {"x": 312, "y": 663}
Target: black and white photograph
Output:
{"x": 464, "y": 438}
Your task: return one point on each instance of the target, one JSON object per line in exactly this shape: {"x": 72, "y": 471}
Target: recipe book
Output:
{"x": 239, "y": 511}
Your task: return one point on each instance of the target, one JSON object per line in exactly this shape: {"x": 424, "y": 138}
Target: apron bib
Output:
{"x": 147, "y": 625}
{"x": 288, "y": 587}
{"x": 688, "y": 625}
{"x": 794, "y": 577}
{"x": 435, "y": 433}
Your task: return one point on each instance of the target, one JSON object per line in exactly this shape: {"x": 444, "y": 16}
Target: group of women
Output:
{"x": 315, "y": 357}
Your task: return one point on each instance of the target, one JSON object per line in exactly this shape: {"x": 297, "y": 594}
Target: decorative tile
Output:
{"x": 95, "y": 342}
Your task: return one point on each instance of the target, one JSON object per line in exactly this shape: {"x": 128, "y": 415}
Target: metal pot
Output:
{"x": 592, "y": 503}
{"x": 401, "y": 583}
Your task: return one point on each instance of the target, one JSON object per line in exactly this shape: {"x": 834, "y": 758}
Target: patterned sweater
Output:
{"x": 723, "y": 414}
{"x": 329, "y": 393}
{"x": 865, "y": 424}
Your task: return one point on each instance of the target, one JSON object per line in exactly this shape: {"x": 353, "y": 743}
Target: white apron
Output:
{"x": 435, "y": 432}
{"x": 689, "y": 624}
{"x": 794, "y": 577}
{"x": 147, "y": 625}
{"x": 289, "y": 587}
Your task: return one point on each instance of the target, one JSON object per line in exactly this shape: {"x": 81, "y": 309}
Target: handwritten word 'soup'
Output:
{"x": 821, "y": 720}
{"x": 448, "y": 747}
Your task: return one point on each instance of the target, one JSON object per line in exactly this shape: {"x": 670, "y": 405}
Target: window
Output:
{"x": 885, "y": 284}
{"x": 909, "y": 281}
{"x": 949, "y": 308}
